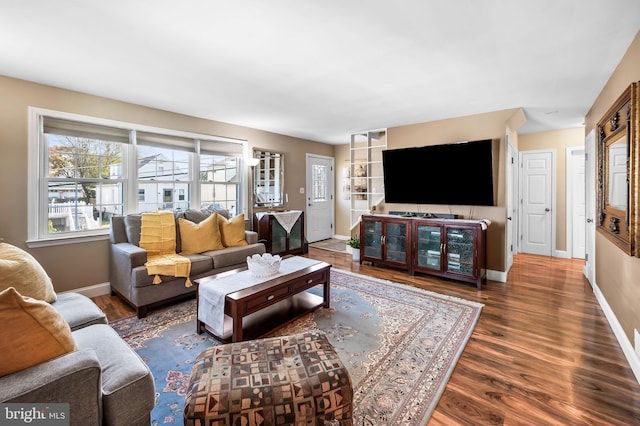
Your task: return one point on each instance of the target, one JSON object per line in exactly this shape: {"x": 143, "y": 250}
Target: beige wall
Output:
{"x": 491, "y": 125}
{"x": 62, "y": 262}
{"x": 343, "y": 205}
{"x": 559, "y": 141}
{"x": 616, "y": 273}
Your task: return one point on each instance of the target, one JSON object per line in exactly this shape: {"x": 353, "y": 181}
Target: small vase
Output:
{"x": 355, "y": 254}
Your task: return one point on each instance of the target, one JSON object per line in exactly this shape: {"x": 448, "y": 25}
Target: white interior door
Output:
{"x": 576, "y": 225}
{"x": 590, "y": 202}
{"x": 320, "y": 210}
{"x": 537, "y": 202}
{"x": 512, "y": 188}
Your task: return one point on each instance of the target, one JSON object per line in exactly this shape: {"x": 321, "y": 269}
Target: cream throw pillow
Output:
{"x": 22, "y": 271}
{"x": 32, "y": 332}
{"x": 200, "y": 237}
{"x": 232, "y": 231}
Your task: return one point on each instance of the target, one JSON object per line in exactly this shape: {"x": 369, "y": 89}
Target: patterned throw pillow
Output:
{"x": 32, "y": 332}
{"x": 232, "y": 231}
{"x": 22, "y": 271}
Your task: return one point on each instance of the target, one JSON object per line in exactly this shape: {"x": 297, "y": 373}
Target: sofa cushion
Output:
{"x": 234, "y": 255}
{"x": 127, "y": 384}
{"x": 20, "y": 270}
{"x": 199, "y": 264}
{"x": 232, "y": 231}
{"x": 32, "y": 332}
{"x": 133, "y": 227}
{"x": 78, "y": 310}
{"x": 200, "y": 237}
{"x": 196, "y": 216}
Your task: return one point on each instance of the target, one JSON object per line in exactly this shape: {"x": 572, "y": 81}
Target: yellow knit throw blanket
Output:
{"x": 158, "y": 238}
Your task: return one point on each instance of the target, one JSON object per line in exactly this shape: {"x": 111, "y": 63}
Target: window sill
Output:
{"x": 59, "y": 241}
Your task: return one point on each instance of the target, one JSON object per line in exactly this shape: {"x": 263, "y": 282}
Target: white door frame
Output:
{"x": 570, "y": 167}
{"x": 309, "y": 192}
{"x": 511, "y": 217}
{"x": 590, "y": 200}
{"x": 521, "y": 156}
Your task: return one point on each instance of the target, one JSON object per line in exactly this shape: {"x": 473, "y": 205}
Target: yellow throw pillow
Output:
{"x": 32, "y": 332}
{"x": 232, "y": 231}
{"x": 200, "y": 237}
{"x": 22, "y": 271}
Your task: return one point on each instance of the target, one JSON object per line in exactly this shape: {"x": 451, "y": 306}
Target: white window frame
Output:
{"x": 38, "y": 161}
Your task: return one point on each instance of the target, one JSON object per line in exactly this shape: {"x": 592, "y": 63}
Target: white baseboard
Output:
{"x": 92, "y": 290}
{"x": 497, "y": 275}
{"x": 341, "y": 237}
{"x": 618, "y": 331}
{"x": 562, "y": 254}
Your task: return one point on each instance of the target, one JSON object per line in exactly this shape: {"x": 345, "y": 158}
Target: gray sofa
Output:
{"x": 105, "y": 382}
{"x": 129, "y": 277}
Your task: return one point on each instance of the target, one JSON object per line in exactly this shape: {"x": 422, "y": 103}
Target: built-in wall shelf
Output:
{"x": 366, "y": 179}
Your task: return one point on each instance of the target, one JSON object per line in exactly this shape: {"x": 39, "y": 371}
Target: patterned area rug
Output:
{"x": 400, "y": 345}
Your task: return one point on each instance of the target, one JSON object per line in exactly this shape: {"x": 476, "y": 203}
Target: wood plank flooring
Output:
{"x": 542, "y": 352}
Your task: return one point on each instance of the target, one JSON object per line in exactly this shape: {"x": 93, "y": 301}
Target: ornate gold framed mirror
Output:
{"x": 618, "y": 161}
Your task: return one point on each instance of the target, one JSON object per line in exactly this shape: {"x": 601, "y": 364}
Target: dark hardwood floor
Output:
{"x": 542, "y": 352}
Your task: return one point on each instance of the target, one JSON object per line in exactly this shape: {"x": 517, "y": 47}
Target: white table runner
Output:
{"x": 212, "y": 294}
{"x": 285, "y": 219}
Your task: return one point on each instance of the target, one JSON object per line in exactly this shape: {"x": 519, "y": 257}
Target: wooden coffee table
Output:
{"x": 254, "y": 311}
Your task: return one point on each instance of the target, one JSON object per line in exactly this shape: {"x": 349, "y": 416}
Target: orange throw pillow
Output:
{"x": 32, "y": 332}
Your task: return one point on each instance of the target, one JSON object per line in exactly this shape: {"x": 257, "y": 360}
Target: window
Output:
{"x": 85, "y": 167}
{"x": 220, "y": 178}
{"x": 82, "y": 177}
{"x": 319, "y": 175}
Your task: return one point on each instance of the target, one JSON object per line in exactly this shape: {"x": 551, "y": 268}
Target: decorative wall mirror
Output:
{"x": 268, "y": 179}
{"x": 618, "y": 162}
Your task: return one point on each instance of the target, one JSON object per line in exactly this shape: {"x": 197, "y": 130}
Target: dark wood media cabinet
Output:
{"x": 450, "y": 248}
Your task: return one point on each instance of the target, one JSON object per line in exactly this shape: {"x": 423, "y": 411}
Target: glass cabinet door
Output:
{"x": 396, "y": 242}
{"x": 372, "y": 239}
{"x": 429, "y": 247}
{"x": 295, "y": 236}
{"x": 278, "y": 237}
{"x": 460, "y": 251}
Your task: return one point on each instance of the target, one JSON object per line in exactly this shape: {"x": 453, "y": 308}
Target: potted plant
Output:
{"x": 354, "y": 243}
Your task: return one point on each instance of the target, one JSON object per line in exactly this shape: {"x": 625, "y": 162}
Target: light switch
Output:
{"x": 302, "y": 190}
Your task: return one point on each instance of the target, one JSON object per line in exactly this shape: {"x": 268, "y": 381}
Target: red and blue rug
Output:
{"x": 400, "y": 345}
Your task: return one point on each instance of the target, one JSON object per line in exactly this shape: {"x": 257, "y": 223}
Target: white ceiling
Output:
{"x": 321, "y": 70}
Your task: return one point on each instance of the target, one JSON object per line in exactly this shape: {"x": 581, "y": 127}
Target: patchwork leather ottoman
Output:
{"x": 289, "y": 380}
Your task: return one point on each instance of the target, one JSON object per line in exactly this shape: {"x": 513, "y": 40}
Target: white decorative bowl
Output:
{"x": 263, "y": 266}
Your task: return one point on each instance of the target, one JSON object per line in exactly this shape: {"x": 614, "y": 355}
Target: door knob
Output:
{"x": 509, "y": 218}
{"x": 589, "y": 220}
{"x": 547, "y": 209}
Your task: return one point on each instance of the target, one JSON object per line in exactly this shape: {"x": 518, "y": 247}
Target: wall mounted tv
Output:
{"x": 454, "y": 174}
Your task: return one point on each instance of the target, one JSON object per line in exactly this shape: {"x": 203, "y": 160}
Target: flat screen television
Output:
{"x": 454, "y": 174}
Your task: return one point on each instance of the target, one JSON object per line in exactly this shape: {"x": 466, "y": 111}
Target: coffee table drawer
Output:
{"x": 309, "y": 281}
{"x": 266, "y": 298}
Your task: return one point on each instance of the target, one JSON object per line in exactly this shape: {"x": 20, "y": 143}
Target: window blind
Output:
{"x": 218, "y": 147}
{"x": 159, "y": 140}
{"x": 59, "y": 126}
